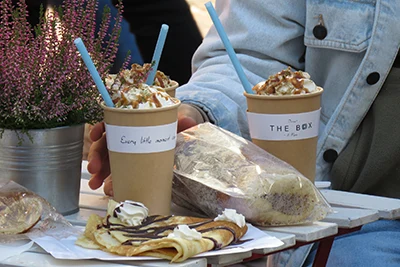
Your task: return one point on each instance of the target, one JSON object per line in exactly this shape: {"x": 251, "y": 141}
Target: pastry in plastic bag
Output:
{"x": 215, "y": 169}
{"x": 19, "y": 212}
{"x": 26, "y": 215}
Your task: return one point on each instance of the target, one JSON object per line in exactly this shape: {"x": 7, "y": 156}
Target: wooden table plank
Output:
{"x": 388, "y": 208}
{"x": 80, "y": 218}
{"x": 350, "y": 217}
{"x": 307, "y": 232}
{"x": 85, "y": 174}
{"x": 90, "y": 201}
{"x": 224, "y": 260}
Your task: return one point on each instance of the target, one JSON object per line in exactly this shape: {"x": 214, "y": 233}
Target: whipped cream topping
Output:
{"x": 183, "y": 231}
{"x": 138, "y": 74}
{"x": 128, "y": 91}
{"x": 231, "y": 215}
{"x": 162, "y": 80}
{"x": 287, "y": 82}
{"x": 129, "y": 212}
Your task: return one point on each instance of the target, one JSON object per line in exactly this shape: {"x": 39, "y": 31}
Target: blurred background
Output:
{"x": 189, "y": 22}
{"x": 200, "y": 14}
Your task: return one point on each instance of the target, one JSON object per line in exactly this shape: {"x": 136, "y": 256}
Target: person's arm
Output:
{"x": 267, "y": 36}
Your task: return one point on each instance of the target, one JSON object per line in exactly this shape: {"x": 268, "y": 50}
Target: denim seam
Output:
{"x": 356, "y": 81}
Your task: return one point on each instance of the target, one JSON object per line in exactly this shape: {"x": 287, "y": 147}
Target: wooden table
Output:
{"x": 292, "y": 236}
{"x": 348, "y": 216}
{"x": 351, "y": 212}
{"x": 387, "y": 208}
{"x": 94, "y": 201}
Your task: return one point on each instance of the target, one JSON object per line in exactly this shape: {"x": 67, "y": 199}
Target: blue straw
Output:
{"x": 92, "y": 69}
{"x": 157, "y": 53}
{"x": 228, "y": 47}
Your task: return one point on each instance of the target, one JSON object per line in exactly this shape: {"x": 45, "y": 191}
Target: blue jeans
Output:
{"x": 376, "y": 244}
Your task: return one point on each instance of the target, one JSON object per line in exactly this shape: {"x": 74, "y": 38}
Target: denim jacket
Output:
{"x": 351, "y": 62}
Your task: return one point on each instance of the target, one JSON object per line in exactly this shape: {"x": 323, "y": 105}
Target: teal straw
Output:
{"x": 92, "y": 69}
{"x": 229, "y": 48}
{"x": 157, "y": 53}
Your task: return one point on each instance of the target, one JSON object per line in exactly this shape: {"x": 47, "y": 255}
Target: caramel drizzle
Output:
{"x": 276, "y": 81}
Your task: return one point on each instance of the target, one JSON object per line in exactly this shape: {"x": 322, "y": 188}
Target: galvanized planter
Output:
{"x": 48, "y": 164}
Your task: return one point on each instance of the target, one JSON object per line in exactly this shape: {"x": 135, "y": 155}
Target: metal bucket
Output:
{"x": 47, "y": 162}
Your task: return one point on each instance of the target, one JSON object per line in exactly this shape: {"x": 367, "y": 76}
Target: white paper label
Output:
{"x": 143, "y": 139}
{"x": 275, "y": 127}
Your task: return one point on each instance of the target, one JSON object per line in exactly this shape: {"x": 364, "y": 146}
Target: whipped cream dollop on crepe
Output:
{"x": 129, "y": 212}
{"x": 231, "y": 215}
{"x": 184, "y": 231}
{"x": 287, "y": 82}
{"x": 175, "y": 238}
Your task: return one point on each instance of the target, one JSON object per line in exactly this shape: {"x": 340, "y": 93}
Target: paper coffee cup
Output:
{"x": 287, "y": 126}
{"x": 171, "y": 89}
{"x": 141, "y": 145}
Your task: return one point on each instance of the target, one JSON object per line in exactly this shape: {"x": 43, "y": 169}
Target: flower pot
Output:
{"x": 47, "y": 162}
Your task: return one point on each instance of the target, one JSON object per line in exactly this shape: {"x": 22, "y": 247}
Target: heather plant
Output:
{"x": 43, "y": 80}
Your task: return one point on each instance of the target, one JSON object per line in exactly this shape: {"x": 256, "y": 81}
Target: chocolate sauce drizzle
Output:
{"x": 142, "y": 233}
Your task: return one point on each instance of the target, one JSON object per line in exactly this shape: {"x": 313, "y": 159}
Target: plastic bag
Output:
{"x": 215, "y": 169}
{"x": 24, "y": 214}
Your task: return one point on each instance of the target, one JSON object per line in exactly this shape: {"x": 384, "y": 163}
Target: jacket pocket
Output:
{"x": 348, "y": 23}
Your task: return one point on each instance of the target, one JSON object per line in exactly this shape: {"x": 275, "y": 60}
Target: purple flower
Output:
{"x": 43, "y": 80}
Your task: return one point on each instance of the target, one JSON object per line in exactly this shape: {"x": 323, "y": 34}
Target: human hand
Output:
{"x": 87, "y": 142}
{"x": 188, "y": 116}
{"x": 99, "y": 165}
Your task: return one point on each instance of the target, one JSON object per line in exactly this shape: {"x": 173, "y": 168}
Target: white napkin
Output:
{"x": 14, "y": 248}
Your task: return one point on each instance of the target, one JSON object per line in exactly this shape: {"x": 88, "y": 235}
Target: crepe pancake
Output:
{"x": 151, "y": 237}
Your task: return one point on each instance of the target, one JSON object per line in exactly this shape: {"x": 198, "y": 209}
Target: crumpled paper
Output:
{"x": 14, "y": 248}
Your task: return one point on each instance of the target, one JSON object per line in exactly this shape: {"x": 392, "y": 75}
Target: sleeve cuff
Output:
{"x": 202, "y": 112}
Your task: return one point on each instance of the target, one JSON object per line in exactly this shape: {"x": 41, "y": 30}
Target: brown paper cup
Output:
{"x": 171, "y": 89}
{"x": 287, "y": 127}
{"x": 141, "y": 144}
